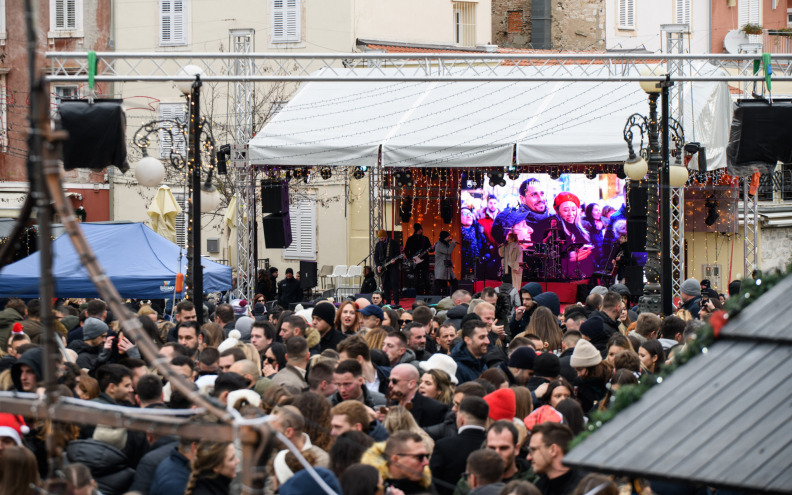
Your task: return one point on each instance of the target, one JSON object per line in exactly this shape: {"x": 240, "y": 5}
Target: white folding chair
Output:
{"x": 339, "y": 272}
{"x": 354, "y": 275}
{"x": 325, "y": 272}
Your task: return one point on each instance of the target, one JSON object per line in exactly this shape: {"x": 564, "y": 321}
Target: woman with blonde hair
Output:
{"x": 376, "y": 337}
{"x": 213, "y": 469}
{"x": 400, "y": 419}
{"x": 347, "y": 318}
{"x": 213, "y": 334}
{"x": 436, "y": 384}
{"x": 146, "y": 310}
{"x": 544, "y": 324}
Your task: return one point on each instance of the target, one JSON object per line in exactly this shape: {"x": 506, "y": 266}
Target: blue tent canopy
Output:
{"x": 140, "y": 263}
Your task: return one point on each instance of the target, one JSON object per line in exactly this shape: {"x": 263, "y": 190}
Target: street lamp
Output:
{"x": 657, "y": 291}
{"x": 203, "y": 195}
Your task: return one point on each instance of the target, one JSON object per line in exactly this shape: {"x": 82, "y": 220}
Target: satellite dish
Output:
{"x": 733, "y": 40}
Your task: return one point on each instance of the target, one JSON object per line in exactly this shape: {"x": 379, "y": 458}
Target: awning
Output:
{"x": 476, "y": 124}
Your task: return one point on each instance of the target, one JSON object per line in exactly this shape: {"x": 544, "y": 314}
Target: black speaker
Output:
{"x": 467, "y": 285}
{"x": 637, "y": 198}
{"x": 633, "y": 276}
{"x": 277, "y": 231}
{"x": 96, "y": 134}
{"x": 636, "y": 234}
{"x": 274, "y": 196}
{"x": 307, "y": 274}
{"x": 430, "y": 300}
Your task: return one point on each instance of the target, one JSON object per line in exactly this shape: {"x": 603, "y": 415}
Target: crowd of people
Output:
{"x": 480, "y": 394}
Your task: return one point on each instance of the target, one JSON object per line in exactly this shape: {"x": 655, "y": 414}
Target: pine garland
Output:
{"x": 627, "y": 395}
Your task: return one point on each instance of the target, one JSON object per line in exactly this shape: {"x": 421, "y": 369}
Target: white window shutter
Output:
{"x": 286, "y": 21}
{"x": 748, "y": 12}
{"x": 303, "y": 227}
{"x": 626, "y": 14}
{"x": 683, "y": 11}
{"x": 173, "y": 22}
{"x": 173, "y": 111}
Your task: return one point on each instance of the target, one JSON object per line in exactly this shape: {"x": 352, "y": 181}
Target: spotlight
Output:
{"x": 359, "y": 173}
{"x": 712, "y": 211}
{"x": 326, "y": 173}
{"x": 403, "y": 178}
{"x": 513, "y": 173}
{"x": 496, "y": 178}
{"x": 222, "y": 159}
{"x": 475, "y": 180}
{"x": 591, "y": 174}
{"x": 405, "y": 209}
{"x": 554, "y": 174}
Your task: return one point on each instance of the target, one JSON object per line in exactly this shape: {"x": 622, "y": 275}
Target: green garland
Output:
{"x": 705, "y": 337}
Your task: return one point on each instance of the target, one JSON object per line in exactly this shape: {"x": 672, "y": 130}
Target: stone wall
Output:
{"x": 511, "y": 23}
{"x": 579, "y": 24}
{"x": 775, "y": 248}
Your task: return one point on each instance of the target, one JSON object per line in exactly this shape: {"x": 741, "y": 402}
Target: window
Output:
{"x": 173, "y": 139}
{"x": 749, "y": 12}
{"x": 182, "y": 219}
{"x": 683, "y": 12}
{"x": 65, "y": 18}
{"x": 789, "y": 17}
{"x": 286, "y": 21}
{"x": 173, "y": 22}
{"x": 465, "y": 23}
{"x": 626, "y": 14}
{"x": 2, "y": 22}
{"x": 303, "y": 227}
{"x": 60, "y": 93}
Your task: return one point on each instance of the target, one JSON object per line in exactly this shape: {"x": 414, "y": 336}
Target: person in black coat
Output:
{"x": 369, "y": 284}
{"x": 160, "y": 450}
{"x": 289, "y": 290}
{"x": 213, "y": 469}
{"x": 403, "y": 389}
{"x": 449, "y": 457}
{"x": 386, "y": 255}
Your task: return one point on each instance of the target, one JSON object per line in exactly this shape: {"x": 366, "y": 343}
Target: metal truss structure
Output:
{"x": 750, "y": 222}
{"x": 677, "y": 40}
{"x": 246, "y": 68}
{"x": 244, "y": 175}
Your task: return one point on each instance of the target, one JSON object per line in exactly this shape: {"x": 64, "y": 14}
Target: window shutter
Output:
{"x": 749, "y": 12}
{"x": 683, "y": 12}
{"x": 173, "y": 111}
{"x": 71, "y": 14}
{"x": 173, "y": 22}
{"x": 303, "y": 226}
{"x": 182, "y": 219}
{"x": 286, "y": 21}
{"x": 626, "y": 14}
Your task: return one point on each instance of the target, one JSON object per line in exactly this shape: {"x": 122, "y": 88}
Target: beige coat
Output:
{"x": 512, "y": 256}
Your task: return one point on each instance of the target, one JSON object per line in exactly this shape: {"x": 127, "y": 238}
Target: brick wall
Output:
{"x": 511, "y": 23}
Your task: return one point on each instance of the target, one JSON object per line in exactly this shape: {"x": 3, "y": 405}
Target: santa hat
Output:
{"x": 13, "y": 426}
{"x": 17, "y": 329}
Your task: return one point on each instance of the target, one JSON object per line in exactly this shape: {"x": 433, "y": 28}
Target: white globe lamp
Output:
{"x": 677, "y": 176}
{"x": 652, "y": 86}
{"x": 636, "y": 168}
{"x": 191, "y": 71}
{"x": 210, "y": 199}
{"x": 149, "y": 171}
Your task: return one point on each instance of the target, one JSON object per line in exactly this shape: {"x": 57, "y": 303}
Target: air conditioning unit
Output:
{"x": 713, "y": 274}
{"x": 213, "y": 245}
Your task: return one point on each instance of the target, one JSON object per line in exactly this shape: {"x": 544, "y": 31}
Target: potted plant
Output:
{"x": 752, "y": 29}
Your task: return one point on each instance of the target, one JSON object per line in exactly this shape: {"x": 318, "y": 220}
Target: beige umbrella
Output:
{"x": 163, "y": 212}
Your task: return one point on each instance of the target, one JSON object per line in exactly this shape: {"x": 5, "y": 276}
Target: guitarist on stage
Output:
{"x": 416, "y": 250}
{"x": 387, "y": 256}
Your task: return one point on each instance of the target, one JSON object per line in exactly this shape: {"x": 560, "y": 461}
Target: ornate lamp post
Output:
{"x": 657, "y": 296}
{"x": 203, "y": 195}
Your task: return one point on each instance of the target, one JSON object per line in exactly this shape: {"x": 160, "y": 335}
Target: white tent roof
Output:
{"x": 474, "y": 124}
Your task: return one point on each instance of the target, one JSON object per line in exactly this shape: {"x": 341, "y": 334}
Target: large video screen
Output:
{"x": 568, "y": 227}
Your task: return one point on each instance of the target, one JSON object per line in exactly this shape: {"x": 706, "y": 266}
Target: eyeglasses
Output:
{"x": 394, "y": 381}
{"x": 419, "y": 457}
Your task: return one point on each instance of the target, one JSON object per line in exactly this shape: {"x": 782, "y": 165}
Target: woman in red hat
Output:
{"x": 576, "y": 240}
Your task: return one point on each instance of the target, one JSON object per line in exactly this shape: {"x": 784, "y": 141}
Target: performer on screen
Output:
{"x": 487, "y": 215}
{"x": 512, "y": 255}
{"x": 387, "y": 254}
{"x": 416, "y": 249}
{"x": 576, "y": 247}
{"x": 533, "y": 201}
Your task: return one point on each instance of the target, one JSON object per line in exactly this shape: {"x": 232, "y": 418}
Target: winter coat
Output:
{"x": 512, "y": 255}
{"x": 455, "y": 315}
{"x": 289, "y": 291}
{"x": 428, "y": 412}
{"x": 491, "y": 489}
{"x": 468, "y": 367}
{"x": 87, "y": 356}
{"x": 449, "y": 457}
{"x": 8, "y": 317}
{"x": 290, "y": 376}
{"x": 370, "y": 398}
{"x": 172, "y": 475}
{"x": 31, "y": 358}
{"x": 608, "y": 324}
{"x": 212, "y": 484}
{"x": 443, "y": 253}
{"x": 144, "y": 474}
{"x": 446, "y": 429}
{"x": 109, "y": 466}
{"x": 33, "y": 330}
{"x": 369, "y": 284}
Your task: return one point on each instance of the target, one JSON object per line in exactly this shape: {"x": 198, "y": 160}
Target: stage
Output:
{"x": 566, "y": 291}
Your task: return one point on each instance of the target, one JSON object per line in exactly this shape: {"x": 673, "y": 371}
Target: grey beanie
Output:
{"x": 599, "y": 290}
{"x": 691, "y": 287}
{"x": 94, "y": 327}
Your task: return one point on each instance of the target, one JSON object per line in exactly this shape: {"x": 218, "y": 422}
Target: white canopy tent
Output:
{"x": 477, "y": 124}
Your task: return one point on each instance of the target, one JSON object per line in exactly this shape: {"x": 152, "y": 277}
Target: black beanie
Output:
{"x": 326, "y": 311}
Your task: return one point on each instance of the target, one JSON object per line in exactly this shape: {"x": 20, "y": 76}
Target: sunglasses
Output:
{"x": 419, "y": 457}
{"x": 271, "y": 360}
{"x": 405, "y": 321}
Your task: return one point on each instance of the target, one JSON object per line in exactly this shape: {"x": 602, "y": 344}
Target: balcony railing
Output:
{"x": 774, "y": 41}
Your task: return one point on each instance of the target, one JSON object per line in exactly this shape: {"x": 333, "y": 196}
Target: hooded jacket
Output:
{"x": 8, "y": 317}
{"x": 609, "y": 324}
{"x": 172, "y": 475}
{"x": 455, "y": 315}
{"x": 468, "y": 367}
{"x": 87, "y": 356}
{"x": 109, "y": 466}
{"x": 32, "y": 358}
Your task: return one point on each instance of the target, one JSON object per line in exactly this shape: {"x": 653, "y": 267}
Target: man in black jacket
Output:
{"x": 611, "y": 309}
{"x": 386, "y": 254}
{"x": 419, "y": 244}
{"x": 450, "y": 454}
{"x": 289, "y": 290}
{"x": 404, "y": 390}
{"x": 549, "y": 443}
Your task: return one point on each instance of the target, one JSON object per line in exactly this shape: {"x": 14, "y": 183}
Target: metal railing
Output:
{"x": 774, "y": 41}
{"x": 776, "y": 187}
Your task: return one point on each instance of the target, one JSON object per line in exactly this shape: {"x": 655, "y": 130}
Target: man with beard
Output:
{"x": 416, "y": 339}
{"x": 533, "y": 201}
{"x": 469, "y": 354}
{"x": 348, "y": 378}
{"x": 418, "y": 244}
{"x": 548, "y": 445}
{"x": 189, "y": 335}
{"x": 403, "y": 390}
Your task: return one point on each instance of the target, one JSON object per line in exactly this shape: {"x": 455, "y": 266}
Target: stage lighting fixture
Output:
{"x": 326, "y": 173}
{"x": 712, "y": 211}
{"x": 513, "y": 173}
{"x": 446, "y": 209}
{"x": 555, "y": 174}
{"x": 496, "y": 178}
{"x": 405, "y": 209}
{"x": 222, "y": 159}
{"x": 591, "y": 174}
{"x": 359, "y": 173}
{"x": 403, "y": 178}
{"x": 475, "y": 180}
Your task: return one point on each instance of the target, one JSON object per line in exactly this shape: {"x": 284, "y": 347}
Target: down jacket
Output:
{"x": 109, "y": 466}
